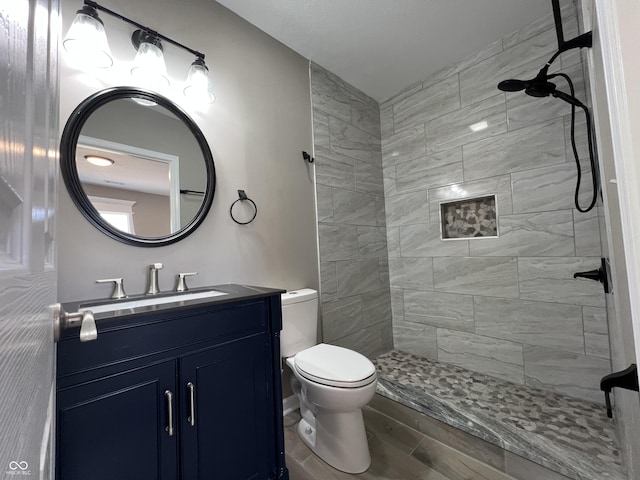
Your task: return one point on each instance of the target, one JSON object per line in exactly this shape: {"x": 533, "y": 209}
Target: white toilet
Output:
{"x": 332, "y": 383}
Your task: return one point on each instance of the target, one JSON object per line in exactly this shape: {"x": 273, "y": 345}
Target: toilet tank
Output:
{"x": 299, "y": 321}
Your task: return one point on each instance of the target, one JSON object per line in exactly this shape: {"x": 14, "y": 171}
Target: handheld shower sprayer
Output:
{"x": 540, "y": 86}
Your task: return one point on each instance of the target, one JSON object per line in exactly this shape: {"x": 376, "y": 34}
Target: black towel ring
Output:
{"x": 242, "y": 197}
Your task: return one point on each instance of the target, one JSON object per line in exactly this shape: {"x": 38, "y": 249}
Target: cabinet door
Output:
{"x": 116, "y": 427}
{"x": 229, "y": 438}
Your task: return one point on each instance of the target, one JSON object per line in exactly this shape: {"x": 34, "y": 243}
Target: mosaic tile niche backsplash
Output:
{"x": 508, "y": 306}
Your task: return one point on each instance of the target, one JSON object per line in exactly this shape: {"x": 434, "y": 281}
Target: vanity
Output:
{"x": 178, "y": 390}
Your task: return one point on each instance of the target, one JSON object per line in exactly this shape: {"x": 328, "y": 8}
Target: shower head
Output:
{"x": 540, "y": 86}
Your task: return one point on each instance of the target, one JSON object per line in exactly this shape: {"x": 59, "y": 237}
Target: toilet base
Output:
{"x": 338, "y": 438}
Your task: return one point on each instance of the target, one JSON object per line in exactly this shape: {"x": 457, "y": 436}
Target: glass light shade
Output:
{"x": 198, "y": 86}
{"x": 149, "y": 69}
{"x": 87, "y": 42}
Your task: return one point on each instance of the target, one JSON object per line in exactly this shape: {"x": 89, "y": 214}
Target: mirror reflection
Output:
{"x": 133, "y": 160}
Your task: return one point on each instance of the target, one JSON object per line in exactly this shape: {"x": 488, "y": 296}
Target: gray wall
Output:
{"x": 356, "y": 304}
{"x": 256, "y": 129}
{"x": 507, "y": 307}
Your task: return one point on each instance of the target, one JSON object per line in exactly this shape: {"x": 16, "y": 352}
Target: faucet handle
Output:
{"x": 182, "y": 281}
{"x": 118, "y": 287}
{"x": 156, "y": 266}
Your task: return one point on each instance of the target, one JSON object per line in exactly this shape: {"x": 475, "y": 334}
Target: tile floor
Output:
{"x": 388, "y": 462}
{"x": 433, "y": 421}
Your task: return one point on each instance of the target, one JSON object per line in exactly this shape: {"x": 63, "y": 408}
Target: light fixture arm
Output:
{"x": 150, "y": 31}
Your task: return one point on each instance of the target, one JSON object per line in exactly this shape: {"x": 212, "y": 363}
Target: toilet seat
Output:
{"x": 335, "y": 366}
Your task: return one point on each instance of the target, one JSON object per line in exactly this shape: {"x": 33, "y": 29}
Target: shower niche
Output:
{"x": 475, "y": 217}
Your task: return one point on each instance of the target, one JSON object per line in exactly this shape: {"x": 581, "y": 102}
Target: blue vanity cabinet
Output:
{"x": 225, "y": 389}
{"x": 209, "y": 370}
{"x": 114, "y": 427}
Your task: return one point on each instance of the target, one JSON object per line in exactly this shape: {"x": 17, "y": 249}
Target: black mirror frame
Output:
{"x": 69, "y": 171}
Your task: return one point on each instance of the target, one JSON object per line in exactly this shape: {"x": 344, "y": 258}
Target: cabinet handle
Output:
{"x": 192, "y": 404}
{"x": 169, "y": 397}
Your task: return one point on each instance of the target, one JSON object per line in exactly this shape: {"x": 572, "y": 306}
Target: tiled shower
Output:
{"x": 509, "y": 306}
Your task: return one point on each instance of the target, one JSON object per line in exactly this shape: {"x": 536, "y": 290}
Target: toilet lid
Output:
{"x": 336, "y": 366}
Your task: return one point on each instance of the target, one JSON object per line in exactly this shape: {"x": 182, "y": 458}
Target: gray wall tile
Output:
{"x": 535, "y": 146}
{"x": 402, "y": 94}
{"x": 320, "y": 129}
{"x": 570, "y": 373}
{"x": 523, "y": 110}
{"x": 551, "y": 325}
{"x": 328, "y": 96}
{"x": 393, "y": 242}
{"x": 365, "y": 115}
{"x": 397, "y": 303}
{"x": 499, "y": 185}
{"x": 480, "y": 81}
{"x": 568, "y": 13}
{"x": 423, "y": 240}
{"x": 386, "y": 121}
{"x": 415, "y": 273}
{"x": 490, "y": 276}
{"x": 427, "y": 103}
{"x": 486, "y": 355}
{"x": 403, "y": 146}
{"x": 546, "y": 188}
{"x": 353, "y": 142}
{"x": 341, "y": 317}
{"x": 337, "y": 242}
{"x": 416, "y": 338}
{"x": 353, "y": 208}
{"x": 587, "y": 233}
{"x": 376, "y": 307}
{"x": 328, "y": 283}
{"x": 532, "y": 234}
{"x": 445, "y": 310}
{"x": 351, "y": 213}
{"x": 369, "y": 341}
{"x": 468, "y": 61}
{"x": 551, "y": 280}
{"x": 389, "y": 180}
{"x": 453, "y": 129}
{"x": 369, "y": 178}
{"x": 596, "y": 332}
{"x": 407, "y": 209}
{"x": 357, "y": 276}
{"x": 372, "y": 242}
{"x": 325, "y": 204}
{"x": 334, "y": 170}
{"x": 422, "y": 173}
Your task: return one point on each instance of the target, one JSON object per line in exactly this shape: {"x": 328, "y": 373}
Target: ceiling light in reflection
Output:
{"x": 476, "y": 127}
{"x": 99, "y": 161}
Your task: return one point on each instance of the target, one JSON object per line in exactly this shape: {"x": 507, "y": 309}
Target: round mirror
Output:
{"x": 138, "y": 168}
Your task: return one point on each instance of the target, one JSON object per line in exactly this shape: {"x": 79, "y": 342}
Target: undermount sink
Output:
{"x": 148, "y": 301}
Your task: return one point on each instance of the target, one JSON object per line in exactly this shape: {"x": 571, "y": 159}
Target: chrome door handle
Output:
{"x": 169, "y": 396}
{"x": 63, "y": 320}
{"x": 192, "y": 404}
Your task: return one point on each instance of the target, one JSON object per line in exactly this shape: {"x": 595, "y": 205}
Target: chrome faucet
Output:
{"x": 153, "y": 278}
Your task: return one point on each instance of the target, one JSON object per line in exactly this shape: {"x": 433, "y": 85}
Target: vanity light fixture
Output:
{"x": 87, "y": 41}
{"x": 149, "y": 68}
{"x": 99, "y": 161}
{"x": 198, "y": 85}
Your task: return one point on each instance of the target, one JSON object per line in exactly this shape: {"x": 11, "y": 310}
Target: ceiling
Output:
{"x": 383, "y": 46}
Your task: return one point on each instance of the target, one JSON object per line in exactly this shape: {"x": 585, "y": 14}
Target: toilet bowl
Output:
{"x": 331, "y": 405}
{"x": 332, "y": 383}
